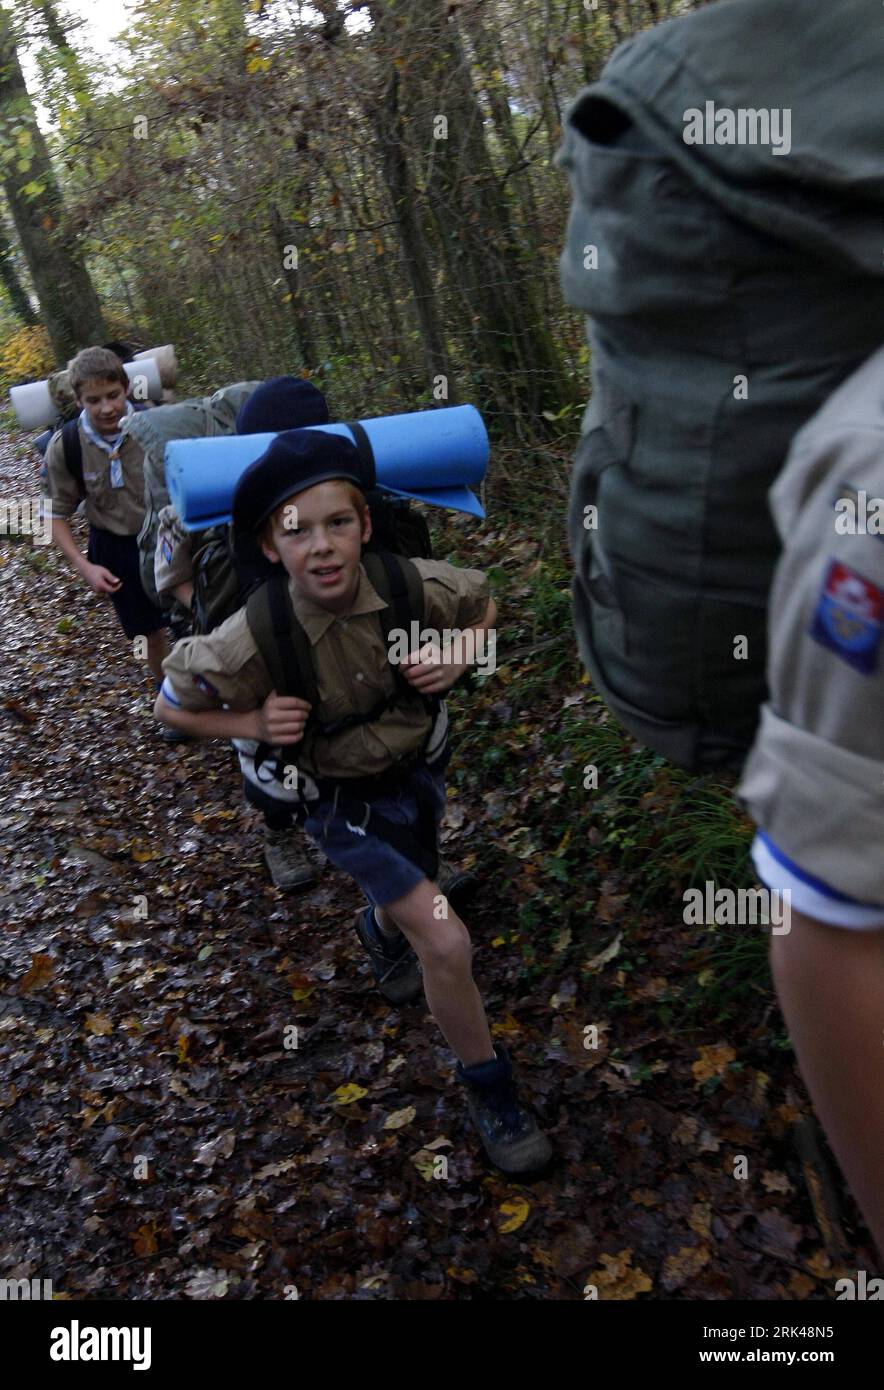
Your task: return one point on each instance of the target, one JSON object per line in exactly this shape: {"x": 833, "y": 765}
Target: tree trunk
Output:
{"x": 294, "y": 279}
{"x": 399, "y": 179}
{"x": 15, "y": 290}
{"x": 68, "y": 302}
{"x": 519, "y": 363}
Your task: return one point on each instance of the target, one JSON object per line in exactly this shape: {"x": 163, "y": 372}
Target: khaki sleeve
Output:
{"x": 453, "y": 597}
{"x": 220, "y": 669}
{"x": 814, "y": 779}
{"x": 172, "y": 562}
{"x": 60, "y": 485}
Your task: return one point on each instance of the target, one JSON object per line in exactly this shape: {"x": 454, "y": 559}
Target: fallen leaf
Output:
{"x": 144, "y": 1240}
{"x": 776, "y": 1182}
{"x": 207, "y": 1283}
{"x": 345, "y": 1095}
{"x": 39, "y": 974}
{"x": 220, "y": 1147}
{"x": 397, "y": 1118}
{"x": 617, "y": 1279}
{"x": 609, "y": 952}
{"x": 713, "y": 1061}
{"x": 679, "y": 1269}
{"x": 99, "y": 1024}
{"x": 516, "y": 1212}
{"x": 273, "y": 1170}
{"x": 700, "y": 1219}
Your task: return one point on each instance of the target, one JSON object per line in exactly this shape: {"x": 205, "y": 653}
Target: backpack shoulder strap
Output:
{"x": 281, "y": 640}
{"x": 73, "y": 453}
{"x": 400, "y": 585}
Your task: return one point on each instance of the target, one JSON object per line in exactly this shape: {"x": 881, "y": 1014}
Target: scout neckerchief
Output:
{"x": 110, "y": 446}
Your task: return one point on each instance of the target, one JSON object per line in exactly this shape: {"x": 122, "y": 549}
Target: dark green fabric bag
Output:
{"x": 714, "y": 265}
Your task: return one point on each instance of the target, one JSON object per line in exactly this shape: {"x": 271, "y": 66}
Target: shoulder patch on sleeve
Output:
{"x": 849, "y": 617}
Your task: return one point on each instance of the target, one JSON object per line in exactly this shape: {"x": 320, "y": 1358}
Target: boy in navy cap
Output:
{"x": 282, "y": 403}
{"x": 370, "y": 753}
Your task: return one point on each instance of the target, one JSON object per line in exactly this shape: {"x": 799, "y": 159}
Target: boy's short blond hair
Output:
{"x": 95, "y": 364}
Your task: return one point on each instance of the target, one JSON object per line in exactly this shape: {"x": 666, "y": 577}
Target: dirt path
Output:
{"x": 159, "y": 1140}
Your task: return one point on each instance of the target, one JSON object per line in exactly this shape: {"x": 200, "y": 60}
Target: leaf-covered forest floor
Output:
{"x": 158, "y": 1140}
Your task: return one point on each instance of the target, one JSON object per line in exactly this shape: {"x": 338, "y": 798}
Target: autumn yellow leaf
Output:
{"x": 397, "y": 1118}
{"x": 700, "y": 1219}
{"x": 508, "y": 1027}
{"x": 499, "y": 941}
{"x": 713, "y": 1061}
{"x": 617, "y": 1279}
{"x": 345, "y": 1095}
{"x": 39, "y": 974}
{"x": 182, "y": 1048}
{"x": 516, "y": 1212}
{"x": 99, "y": 1023}
{"x": 143, "y": 856}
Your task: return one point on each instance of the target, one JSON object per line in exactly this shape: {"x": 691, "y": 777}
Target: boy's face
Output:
{"x": 105, "y": 404}
{"x": 322, "y": 552}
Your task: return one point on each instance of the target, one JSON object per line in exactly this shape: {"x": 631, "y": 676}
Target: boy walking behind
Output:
{"x": 112, "y": 489}
{"x": 370, "y": 754}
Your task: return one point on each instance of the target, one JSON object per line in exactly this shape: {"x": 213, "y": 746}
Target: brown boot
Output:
{"x": 289, "y": 867}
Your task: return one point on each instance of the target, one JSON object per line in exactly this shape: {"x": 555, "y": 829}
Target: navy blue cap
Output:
{"x": 285, "y": 403}
{"x": 296, "y": 460}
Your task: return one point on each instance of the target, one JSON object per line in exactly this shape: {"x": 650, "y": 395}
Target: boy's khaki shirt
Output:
{"x": 814, "y": 780}
{"x": 352, "y": 670}
{"x": 116, "y": 509}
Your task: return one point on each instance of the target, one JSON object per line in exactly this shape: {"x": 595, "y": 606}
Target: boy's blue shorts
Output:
{"x": 382, "y": 871}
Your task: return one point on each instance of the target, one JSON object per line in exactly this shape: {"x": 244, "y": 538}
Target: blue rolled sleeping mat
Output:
{"x": 430, "y": 455}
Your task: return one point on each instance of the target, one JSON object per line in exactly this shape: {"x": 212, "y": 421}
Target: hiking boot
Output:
{"x": 170, "y": 735}
{"x": 458, "y": 885}
{"x": 508, "y": 1131}
{"x": 289, "y": 867}
{"x": 394, "y": 964}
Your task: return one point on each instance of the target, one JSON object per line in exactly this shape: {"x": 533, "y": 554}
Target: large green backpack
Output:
{"x": 729, "y": 291}
{"x": 202, "y": 417}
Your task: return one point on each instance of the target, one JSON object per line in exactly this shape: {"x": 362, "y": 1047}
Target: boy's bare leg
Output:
{"x": 830, "y": 981}
{"x": 444, "y": 950}
{"x": 157, "y": 651}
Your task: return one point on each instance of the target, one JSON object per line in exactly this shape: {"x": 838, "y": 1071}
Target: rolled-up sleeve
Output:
{"x": 814, "y": 779}
{"x": 218, "y": 670}
{"x": 61, "y": 488}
